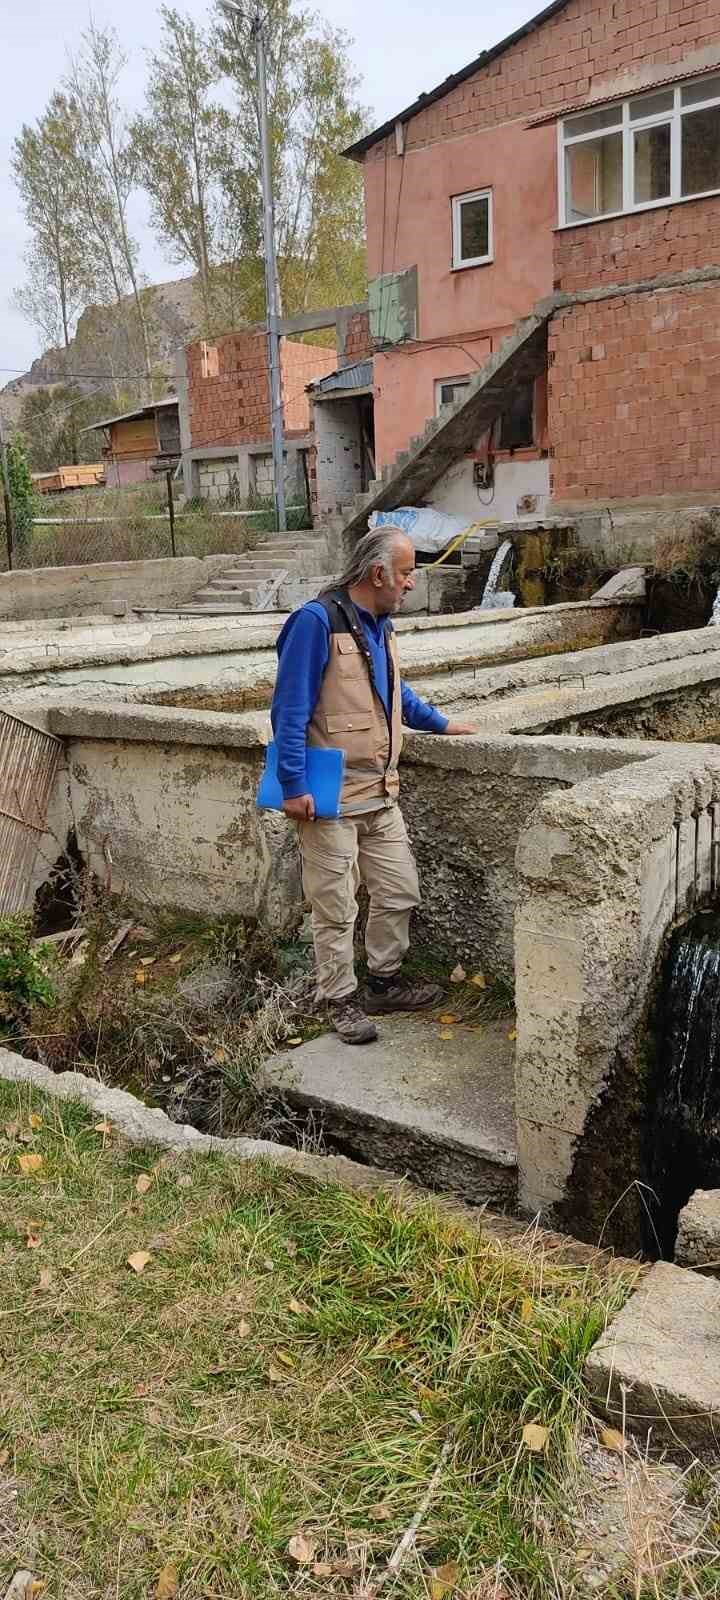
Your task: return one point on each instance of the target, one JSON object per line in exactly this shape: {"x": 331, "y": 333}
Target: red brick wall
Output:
{"x": 561, "y": 61}
{"x": 234, "y": 407}
{"x": 358, "y": 344}
{"x": 300, "y": 365}
{"x": 634, "y": 395}
{"x": 627, "y": 249}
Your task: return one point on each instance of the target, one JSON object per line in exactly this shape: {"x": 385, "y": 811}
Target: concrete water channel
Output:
{"x": 557, "y": 848}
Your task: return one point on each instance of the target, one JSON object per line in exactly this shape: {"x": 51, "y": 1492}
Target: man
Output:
{"x": 338, "y": 687}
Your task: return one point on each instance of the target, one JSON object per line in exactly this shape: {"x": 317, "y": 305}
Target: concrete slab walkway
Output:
{"x": 439, "y": 1110}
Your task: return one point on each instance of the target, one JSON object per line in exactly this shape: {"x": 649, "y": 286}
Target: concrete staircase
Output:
{"x": 253, "y": 579}
{"x": 447, "y": 437}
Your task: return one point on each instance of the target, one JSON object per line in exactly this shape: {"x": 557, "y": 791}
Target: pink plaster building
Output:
{"x": 579, "y": 154}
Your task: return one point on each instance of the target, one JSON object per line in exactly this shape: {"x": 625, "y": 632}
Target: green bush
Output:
{"x": 24, "y": 976}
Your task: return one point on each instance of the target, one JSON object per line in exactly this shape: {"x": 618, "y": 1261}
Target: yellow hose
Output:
{"x": 460, "y": 539}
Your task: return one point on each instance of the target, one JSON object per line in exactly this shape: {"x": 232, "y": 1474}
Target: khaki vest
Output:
{"x": 350, "y": 716}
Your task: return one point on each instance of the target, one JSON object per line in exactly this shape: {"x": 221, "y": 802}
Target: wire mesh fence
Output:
{"x": 137, "y": 522}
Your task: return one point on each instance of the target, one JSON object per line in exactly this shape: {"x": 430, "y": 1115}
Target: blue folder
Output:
{"x": 324, "y": 771}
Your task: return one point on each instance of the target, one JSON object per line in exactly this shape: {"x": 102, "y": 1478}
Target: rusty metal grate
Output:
{"x": 28, "y": 763}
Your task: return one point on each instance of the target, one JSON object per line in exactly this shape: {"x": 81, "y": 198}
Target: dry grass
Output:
{"x": 292, "y": 1360}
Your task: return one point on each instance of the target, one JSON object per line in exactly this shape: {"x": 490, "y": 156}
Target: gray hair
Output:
{"x": 374, "y": 549}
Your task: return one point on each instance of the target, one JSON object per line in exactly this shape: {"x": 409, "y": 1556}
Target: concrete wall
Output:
{"x": 339, "y": 453}
{"x": 164, "y": 804}
{"x": 104, "y": 586}
{"x": 603, "y": 872}
{"x": 521, "y": 489}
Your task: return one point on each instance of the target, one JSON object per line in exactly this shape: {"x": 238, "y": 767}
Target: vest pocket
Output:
{"x": 349, "y": 722}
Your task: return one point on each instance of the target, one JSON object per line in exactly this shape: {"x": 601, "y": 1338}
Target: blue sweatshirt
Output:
{"x": 303, "y": 650}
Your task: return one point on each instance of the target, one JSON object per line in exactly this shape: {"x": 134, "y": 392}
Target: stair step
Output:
{"x": 447, "y": 1119}
{"x": 214, "y": 597}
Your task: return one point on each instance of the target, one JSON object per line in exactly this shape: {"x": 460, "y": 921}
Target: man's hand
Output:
{"x": 301, "y": 809}
{"x": 461, "y": 727}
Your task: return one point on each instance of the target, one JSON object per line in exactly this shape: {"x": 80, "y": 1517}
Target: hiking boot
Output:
{"x": 350, "y": 1022}
{"x": 397, "y": 993}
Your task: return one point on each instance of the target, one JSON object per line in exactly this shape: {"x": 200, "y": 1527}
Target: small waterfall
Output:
{"x": 492, "y": 597}
{"x": 683, "y": 1133}
{"x": 715, "y": 618}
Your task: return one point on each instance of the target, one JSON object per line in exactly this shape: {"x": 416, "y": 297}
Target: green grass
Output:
{"x": 292, "y": 1359}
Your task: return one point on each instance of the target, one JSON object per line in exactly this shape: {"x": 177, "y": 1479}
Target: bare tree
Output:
{"x": 107, "y": 160}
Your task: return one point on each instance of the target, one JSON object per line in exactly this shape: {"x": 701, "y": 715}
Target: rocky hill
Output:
{"x": 106, "y": 342}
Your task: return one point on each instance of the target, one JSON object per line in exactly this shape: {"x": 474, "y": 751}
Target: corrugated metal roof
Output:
{"x": 643, "y": 83}
{"x": 356, "y": 151}
{"x": 359, "y": 376}
{"x": 132, "y": 416}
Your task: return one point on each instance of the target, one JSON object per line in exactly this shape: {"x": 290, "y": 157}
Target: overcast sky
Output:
{"x": 399, "y": 50}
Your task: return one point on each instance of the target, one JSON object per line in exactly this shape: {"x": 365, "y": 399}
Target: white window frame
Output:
{"x": 458, "y": 201}
{"x": 629, "y": 127}
{"x": 440, "y": 384}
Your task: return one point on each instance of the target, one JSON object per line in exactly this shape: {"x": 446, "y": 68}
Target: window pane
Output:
{"x": 448, "y": 393}
{"x": 593, "y": 176}
{"x": 652, "y": 163}
{"x": 704, "y": 89}
{"x": 650, "y": 105}
{"x": 701, "y": 151}
{"x": 592, "y": 121}
{"x": 474, "y": 229}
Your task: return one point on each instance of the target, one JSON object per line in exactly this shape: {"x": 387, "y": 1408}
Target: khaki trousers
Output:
{"x": 337, "y": 856}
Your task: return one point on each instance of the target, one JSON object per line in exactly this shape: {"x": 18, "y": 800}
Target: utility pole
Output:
{"x": 9, "y": 525}
{"x": 272, "y": 296}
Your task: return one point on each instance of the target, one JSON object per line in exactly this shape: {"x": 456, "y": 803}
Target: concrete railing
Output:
{"x": 604, "y": 871}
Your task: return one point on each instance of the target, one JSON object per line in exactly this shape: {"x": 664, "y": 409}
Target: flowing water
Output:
{"x": 492, "y": 596}
{"x": 715, "y": 617}
{"x": 683, "y": 1135}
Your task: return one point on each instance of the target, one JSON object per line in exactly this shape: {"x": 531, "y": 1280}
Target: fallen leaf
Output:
{"x": 447, "y": 1017}
{"x": 584, "y": 1553}
{"x": 140, "y": 977}
{"x": 458, "y": 974}
{"x": 283, "y": 1356}
{"x": 446, "y": 1033}
{"x": 220, "y": 1054}
{"x": 184, "y": 1181}
{"x": 139, "y": 1260}
{"x": 291, "y": 1247}
{"x": 527, "y": 1311}
{"x": 34, "y": 1120}
{"x": 177, "y": 957}
{"x": 302, "y": 1550}
{"x": 512, "y": 1036}
{"x": 613, "y": 1440}
{"x": 144, "y": 1183}
{"x": 102, "y": 1127}
{"x": 167, "y": 1584}
{"x": 33, "y": 1241}
{"x": 12, "y": 1130}
{"x": 276, "y": 1374}
{"x": 479, "y": 980}
{"x": 298, "y": 1308}
{"x": 344, "y": 1569}
{"x": 4, "y": 1457}
{"x": 148, "y": 961}
{"x": 443, "y": 1579}
{"x": 35, "y": 1588}
{"x": 294, "y": 1042}
{"x": 29, "y": 1164}
{"x": 535, "y": 1436}
{"x": 268, "y": 1264}
{"x": 380, "y": 1512}
{"x": 243, "y": 1329}
{"x": 322, "y": 1569}
{"x": 45, "y": 1279}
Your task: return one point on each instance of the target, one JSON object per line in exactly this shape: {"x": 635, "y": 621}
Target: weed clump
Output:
{"x": 25, "y": 974}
